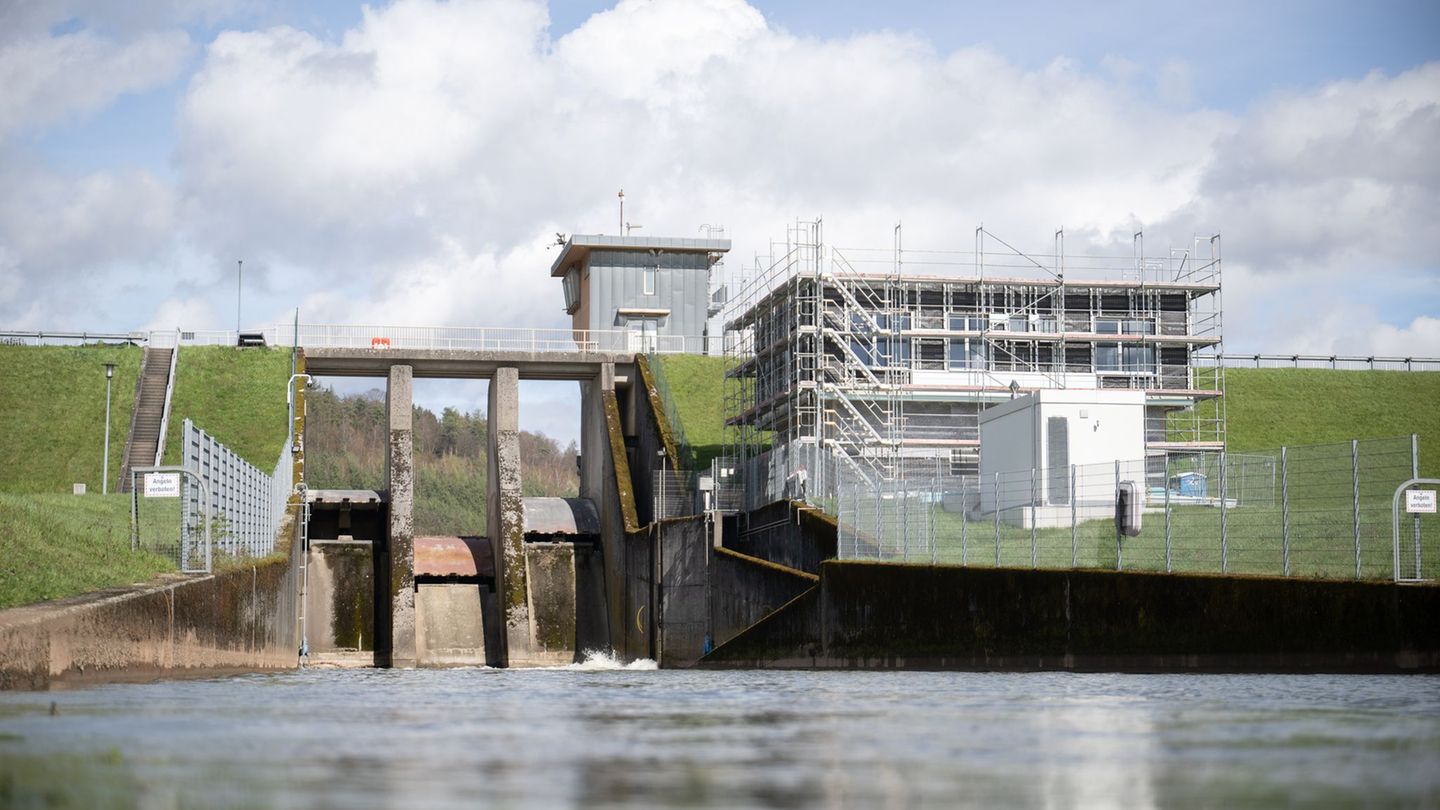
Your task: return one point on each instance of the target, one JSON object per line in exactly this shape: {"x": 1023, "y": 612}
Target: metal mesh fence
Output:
{"x": 1322, "y": 511}
{"x": 156, "y": 527}
{"x": 246, "y": 504}
{"x": 672, "y": 494}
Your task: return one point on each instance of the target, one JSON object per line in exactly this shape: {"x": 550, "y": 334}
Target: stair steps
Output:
{"x": 144, "y": 437}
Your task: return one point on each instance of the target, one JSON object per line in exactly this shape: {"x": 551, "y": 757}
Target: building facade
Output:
{"x": 880, "y": 367}
{"x": 641, "y": 294}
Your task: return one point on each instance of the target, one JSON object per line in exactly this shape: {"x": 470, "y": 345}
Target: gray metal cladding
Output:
{"x": 681, "y": 285}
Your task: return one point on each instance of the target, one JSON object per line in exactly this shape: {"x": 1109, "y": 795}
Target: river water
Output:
{"x": 599, "y": 735}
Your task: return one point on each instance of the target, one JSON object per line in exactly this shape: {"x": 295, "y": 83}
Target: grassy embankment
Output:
{"x": 1314, "y": 412}
{"x": 54, "y": 544}
{"x": 696, "y": 387}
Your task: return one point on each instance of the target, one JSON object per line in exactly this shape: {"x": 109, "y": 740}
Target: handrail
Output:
{"x": 169, "y": 398}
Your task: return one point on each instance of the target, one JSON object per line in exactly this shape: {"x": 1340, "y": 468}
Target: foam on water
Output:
{"x": 600, "y": 661}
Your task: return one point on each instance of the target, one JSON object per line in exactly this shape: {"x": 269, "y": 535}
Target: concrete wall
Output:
{"x": 340, "y": 602}
{"x": 685, "y": 551}
{"x": 744, "y": 590}
{"x": 450, "y": 624}
{"x": 240, "y": 620}
{"x": 875, "y": 615}
{"x": 797, "y": 537}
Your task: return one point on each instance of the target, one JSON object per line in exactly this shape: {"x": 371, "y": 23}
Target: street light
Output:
{"x": 239, "y": 282}
{"x": 105, "y": 470}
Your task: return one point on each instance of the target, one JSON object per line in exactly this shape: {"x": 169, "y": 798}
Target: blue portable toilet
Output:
{"x": 1190, "y": 484}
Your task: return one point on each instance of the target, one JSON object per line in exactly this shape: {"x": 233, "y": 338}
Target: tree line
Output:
{"x": 346, "y": 440}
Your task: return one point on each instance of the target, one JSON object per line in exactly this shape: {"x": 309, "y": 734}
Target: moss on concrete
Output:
{"x": 623, "y": 485}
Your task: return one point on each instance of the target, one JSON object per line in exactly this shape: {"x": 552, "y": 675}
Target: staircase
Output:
{"x": 145, "y": 422}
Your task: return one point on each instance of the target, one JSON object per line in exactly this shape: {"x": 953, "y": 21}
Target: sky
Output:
{"x": 409, "y": 163}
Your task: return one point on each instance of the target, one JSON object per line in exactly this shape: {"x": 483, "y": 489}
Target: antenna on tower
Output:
{"x": 621, "y": 195}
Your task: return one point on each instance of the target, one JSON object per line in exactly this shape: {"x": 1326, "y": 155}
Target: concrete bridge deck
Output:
{"x": 461, "y": 363}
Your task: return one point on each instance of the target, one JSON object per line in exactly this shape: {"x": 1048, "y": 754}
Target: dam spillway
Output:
{"x": 526, "y": 589}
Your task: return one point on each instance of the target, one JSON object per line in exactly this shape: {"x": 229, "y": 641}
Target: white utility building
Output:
{"x": 1049, "y": 431}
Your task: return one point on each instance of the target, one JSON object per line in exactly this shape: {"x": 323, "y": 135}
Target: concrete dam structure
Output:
{"x": 547, "y": 579}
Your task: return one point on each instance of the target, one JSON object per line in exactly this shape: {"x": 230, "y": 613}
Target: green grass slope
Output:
{"x": 1269, "y": 408}
{"x": 53, "y": 546}
{"x": 1265, "y": 408}
{"x": 697, "y": 387}
{"x": 235, "y": 395}
{"x": 53, "y": 399}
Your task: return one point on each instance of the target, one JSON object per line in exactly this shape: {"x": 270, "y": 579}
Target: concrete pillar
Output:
{"x": 400, "y": 548}
{"x": 505, "y": 514}
{"x": 594, "y": 436}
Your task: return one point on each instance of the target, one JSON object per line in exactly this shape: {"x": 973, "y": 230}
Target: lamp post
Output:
{"x": 105, "y": 469}
{"x": 239, "y": 281}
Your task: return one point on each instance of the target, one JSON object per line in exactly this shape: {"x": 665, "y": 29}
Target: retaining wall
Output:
{"x": 877, "y": 615}
{"x": 240, "y": 620}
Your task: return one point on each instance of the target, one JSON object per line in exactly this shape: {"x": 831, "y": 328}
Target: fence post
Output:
{"x": 1167, "y": 513}
{"x": 936, "y": 503}
{"x": 1414, "y": 473}
{"x": 1074, "y": 539}
{"x": 1224, "y": 510}
{"x": 1034, "y": 495}
{"x": 997, "y": 520}
{"x": 1355, "y": 497}
{"x": 1119, "y": 565}
{"x": 964, "y": 524}
{"x": 1285, "y": 508}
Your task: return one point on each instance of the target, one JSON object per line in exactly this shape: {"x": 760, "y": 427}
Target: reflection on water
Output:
{"x": 599, "y": 735}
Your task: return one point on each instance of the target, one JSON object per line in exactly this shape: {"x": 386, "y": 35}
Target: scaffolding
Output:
{"x": 873, "y": 365}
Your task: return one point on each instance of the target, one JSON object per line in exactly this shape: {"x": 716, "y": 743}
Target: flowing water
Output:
{"x": 600, "y": 735}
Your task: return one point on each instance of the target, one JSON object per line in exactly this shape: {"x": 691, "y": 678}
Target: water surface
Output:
{"x": 602, "y": 736}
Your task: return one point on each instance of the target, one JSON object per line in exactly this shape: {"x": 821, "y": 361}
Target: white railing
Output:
{"x": 486, "y": 338}
{"x": 355, "y": 336}
{"x": 165, "y": 412}
{"x": 1334, "y": 362}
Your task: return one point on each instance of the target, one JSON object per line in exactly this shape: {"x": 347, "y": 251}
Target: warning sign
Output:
{"x": 163, "y": 485}
{"x": 1420, "y": 501}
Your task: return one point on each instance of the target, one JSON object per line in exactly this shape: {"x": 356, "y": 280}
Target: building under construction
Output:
{"x": 876, "y": 365}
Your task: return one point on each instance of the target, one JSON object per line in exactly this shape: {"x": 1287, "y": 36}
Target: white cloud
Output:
{"x": 416, "y": 166}
{"x": 1421, "y": 338}
{"x": 413, "y": 169}
{"x": 48, "y": 79}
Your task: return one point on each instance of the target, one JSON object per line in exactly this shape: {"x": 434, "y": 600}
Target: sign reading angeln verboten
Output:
{"x": 162, "y": 485}
{"x": 1419, "y": 501}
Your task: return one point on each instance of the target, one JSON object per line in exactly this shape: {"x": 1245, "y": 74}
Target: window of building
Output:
{"x": 650, "y": 274}
{"x": 1107, "y": 326}
{"x": 1139, "y": 359}
{"x": 861, "y": 350}
{"x": 1107, "y": 356}
{"x": 1126, "y": 359}
{"x": 571, "y": 283}
{"x": 892, "y": 353}
{"x": 966, "y": 353}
